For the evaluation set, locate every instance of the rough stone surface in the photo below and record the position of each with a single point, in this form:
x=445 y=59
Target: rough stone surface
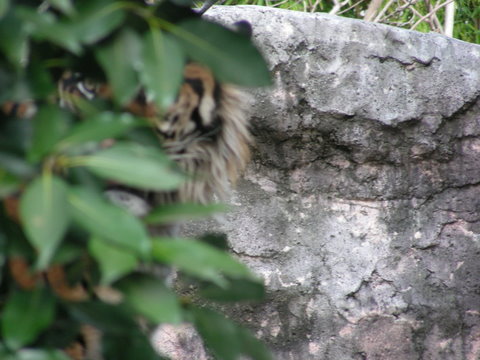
x=361 y=208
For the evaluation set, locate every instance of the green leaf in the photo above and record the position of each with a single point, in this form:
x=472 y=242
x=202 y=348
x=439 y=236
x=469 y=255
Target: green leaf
x=198 y=259
x=118 y=263
x=135 y=165
x=108 y=221
x=162 y=67
x=149 y=297
x=218 y=333
x=16 y=165
x=45 y=215
x=251 y=346
x=25 y=315
x=225 y=339
x=34 y=354
x=135 y=345
x=99 y=127
x=14 y=40
x=119 y=60
x=111 y=319
x=95 y=20
x=44 y=26
x=169 y=213
x=236 y=290
x=8 y=184
x=231 y=56
x=64 y=6
x=4 y=5
x=50 y=124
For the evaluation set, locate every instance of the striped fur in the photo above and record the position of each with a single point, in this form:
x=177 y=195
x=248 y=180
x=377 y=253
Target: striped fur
x=206 y=132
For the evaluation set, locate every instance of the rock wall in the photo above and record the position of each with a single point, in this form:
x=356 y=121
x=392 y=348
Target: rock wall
x=361 y=208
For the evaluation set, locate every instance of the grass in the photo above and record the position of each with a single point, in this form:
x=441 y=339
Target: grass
x=420 y=15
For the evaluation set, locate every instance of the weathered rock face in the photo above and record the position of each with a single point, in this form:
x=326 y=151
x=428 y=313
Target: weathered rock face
x=361 y=209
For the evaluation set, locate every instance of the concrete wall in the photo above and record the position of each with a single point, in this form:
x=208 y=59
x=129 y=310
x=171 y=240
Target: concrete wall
x=361 y=208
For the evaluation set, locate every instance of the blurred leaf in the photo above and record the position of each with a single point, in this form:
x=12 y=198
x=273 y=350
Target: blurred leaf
x=16 y=165
x=162 y=67
x=44 y=26
x=236 y=290
x=169 y=213
x=16 y=136
x=217 y=240
x=4 y=5
x=225 y=339
x=45 y=215
x=183 y=3
x=64 y=6
x=116 y=264
x=149 y=297
x=99 y=127
x=50 y=124
x=199 y=260
x=231 y=56
x=14 y=40
x=67 y=252
x=108 y=221
x=135 y=345
x=119 y=60
x=8 y=184
x=95 y=19
x=218 y=333
x=25 y=315
x=135 y=165
x=251 y=346
x=109 y=318
x=40 y=81
x=34 y=354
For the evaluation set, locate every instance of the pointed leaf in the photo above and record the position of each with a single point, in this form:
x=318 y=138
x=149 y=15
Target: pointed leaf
x=162 y=70
x=236 y=290
x=118 y=263
x=14 y=40
x=4 y=4
x=44 y=26
x=16 y=165
x=151 y=298
x=218 y=333
x=33 y=354
x=108 y=221
x=135 y=165
x=198 y=259
x=169 y=213
x=231 y=56
x=226 y=339
x=101 y=126
x=8 y=184
x=94 y=20
x=50 y=124
x=25 y=315
x=45 y=215
x=251 y=346
x=64 y=6
x=119 y=60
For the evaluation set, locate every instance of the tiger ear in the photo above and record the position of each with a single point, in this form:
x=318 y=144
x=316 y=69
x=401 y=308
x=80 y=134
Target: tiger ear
x=243 y=27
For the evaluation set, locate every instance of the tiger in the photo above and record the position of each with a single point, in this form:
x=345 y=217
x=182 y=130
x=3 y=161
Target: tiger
x=205 y=132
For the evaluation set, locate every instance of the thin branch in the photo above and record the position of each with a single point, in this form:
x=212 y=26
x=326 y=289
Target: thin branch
x=430 y=13
x=338 y=5
x=383 y=11
x=351 y=7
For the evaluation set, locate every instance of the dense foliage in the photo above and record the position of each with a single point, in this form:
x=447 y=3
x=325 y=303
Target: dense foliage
x=421 y=15
x=62 y=245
